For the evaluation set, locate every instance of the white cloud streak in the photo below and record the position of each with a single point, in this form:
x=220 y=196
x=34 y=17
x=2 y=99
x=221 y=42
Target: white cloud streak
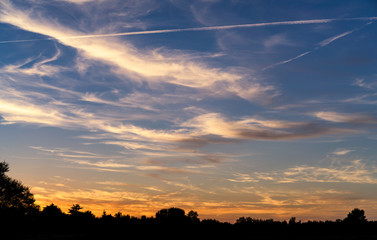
x=356 y=171
x=210 y=28
x=342 y=152
x=214 y=124
x=323 y=43
x=287 y=61
x=346 y=117
x=40 y=68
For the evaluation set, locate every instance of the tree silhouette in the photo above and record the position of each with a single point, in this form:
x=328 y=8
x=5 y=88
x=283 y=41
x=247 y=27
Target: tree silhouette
x=78 y=217
x=356 y=216
x=292 y=221
x=52 y=211
x=171 y=215
x=75 y=209
x=193 y=216
x=14 y=196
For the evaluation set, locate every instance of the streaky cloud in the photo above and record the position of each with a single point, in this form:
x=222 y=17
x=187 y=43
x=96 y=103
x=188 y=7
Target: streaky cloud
x=357 y=118
x=356 y=171
x=332 y=39
x=342 y=152
x=125 y=60
x=210 y=28
x=321 y=44
x=287 y=61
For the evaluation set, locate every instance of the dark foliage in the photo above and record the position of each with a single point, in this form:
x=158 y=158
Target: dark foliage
x=173 y=222
x=13 y=195
x=18 y=210
x=356 y=216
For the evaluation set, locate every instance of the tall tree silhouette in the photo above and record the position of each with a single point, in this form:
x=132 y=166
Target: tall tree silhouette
x=75 y=209
x=14 y=195
x=77 y=215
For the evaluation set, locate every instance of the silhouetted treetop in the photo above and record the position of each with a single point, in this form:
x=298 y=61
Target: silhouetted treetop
x=52 y=211
x=356 y=216
x=13 y=194
x=4 y=167
x=193 y=216
x=75 y=209
x=171 y=215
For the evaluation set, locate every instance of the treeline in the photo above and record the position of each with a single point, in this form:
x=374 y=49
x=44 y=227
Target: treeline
x=21 y=218
x=52 y=223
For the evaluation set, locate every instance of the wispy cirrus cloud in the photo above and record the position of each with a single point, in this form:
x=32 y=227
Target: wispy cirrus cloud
x=118 y=162
x=360 y=82
x=161 y=67
x=342 y=152
x=346 y=117
x=39 y=67
x=123 y=57
x=210 y=28
x=277 y=40
x=253 y=129
x=356 y=171
x=80 y=1
x=116 y=129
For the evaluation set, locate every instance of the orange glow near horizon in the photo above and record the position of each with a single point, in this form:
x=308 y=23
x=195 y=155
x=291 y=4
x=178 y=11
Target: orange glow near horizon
x=218 y=211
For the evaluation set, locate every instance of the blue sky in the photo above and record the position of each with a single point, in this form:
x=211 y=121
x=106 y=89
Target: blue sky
x=230 y=108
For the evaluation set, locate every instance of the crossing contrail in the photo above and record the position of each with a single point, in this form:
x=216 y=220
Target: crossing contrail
x=319 y=45
x=210 y=28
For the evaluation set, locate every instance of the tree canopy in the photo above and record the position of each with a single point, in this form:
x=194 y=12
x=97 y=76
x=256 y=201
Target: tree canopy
x=356 y=216
x=13 y=194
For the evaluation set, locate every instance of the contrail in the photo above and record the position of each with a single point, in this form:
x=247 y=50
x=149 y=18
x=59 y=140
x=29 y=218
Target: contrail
x=211 y=28
x=319 y=45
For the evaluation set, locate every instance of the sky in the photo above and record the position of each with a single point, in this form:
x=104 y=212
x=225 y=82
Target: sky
x=260 y=108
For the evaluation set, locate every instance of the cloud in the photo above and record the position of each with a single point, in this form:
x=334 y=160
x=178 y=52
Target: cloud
x=256 y=129
x=361 y=83
x=357 y=171
x=369 y=99
x=111 y=126
x=320 y=45
x=118 y=163
x=80 y=1
x=242 y=178
x=40 y=68
x=153 y=67
x=26 y=107
x=161 y=68
x=211 y=28
x=287 y=61
x=145 y=200
x=113 y=183
x=346 y=117
x=114 y=120
x=277 y=40
x=332 y=39
x=112 y=166
x=188 y=186
x=157 y=67
x=342 y=152
x=25 y=112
